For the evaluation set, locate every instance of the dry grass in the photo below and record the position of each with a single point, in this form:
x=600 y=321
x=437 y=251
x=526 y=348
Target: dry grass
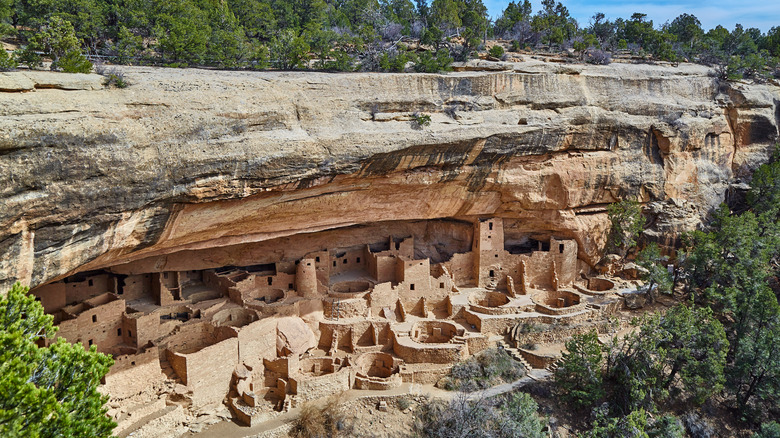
x=326 y=421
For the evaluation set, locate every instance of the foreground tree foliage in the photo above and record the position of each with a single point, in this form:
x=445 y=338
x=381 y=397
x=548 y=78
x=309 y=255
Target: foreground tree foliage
x=46 y=391
x=579 y=373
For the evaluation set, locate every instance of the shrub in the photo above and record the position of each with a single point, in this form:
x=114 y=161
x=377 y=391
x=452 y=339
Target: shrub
x=29 y=57
x=491 y=367
x=7 y=62
x=394 y=61
x=496 y=51
x=420 y=120
x=319 y=422
x=515 y=47
x=598 y=57
x=768 y=430
x=514 y=415
x=72 y=62
x=428 y=63
x=113 y=77
x=697 y=426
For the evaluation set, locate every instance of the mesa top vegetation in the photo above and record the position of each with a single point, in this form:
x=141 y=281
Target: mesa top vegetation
x=348 y=35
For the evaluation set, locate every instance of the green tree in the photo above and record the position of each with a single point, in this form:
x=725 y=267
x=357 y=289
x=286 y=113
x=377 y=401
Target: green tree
x=182 y=32
x=46 y=391
x=768 y=430
x=687 y=29
x=7 y=62
x=636 y=424
x=692 y=347
x=656 y=275
x=57 y=40
x=513 y=14
x=289 y=51
x=627 y=222
x=579 y=371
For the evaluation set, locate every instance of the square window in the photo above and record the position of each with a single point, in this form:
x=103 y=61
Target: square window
x=441 y=285
x=290 y=286
x=411 y=287
x=345 y=261
x=492 y=273
x=90 y=282
x=357 y=260
x=317 y=259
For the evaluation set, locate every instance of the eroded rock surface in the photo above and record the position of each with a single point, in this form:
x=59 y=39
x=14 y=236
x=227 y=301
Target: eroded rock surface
x=195 y=163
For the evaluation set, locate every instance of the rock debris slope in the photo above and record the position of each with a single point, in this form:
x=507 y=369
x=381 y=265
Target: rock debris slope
x=197 y=160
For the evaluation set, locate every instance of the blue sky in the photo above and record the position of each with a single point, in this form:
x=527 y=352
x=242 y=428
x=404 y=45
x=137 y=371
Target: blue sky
x=763 y=14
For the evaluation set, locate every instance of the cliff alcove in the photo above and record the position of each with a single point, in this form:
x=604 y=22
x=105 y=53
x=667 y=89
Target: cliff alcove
x=258 y=240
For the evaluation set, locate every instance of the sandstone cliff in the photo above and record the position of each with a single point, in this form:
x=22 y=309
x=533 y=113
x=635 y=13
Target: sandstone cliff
x=203 y=162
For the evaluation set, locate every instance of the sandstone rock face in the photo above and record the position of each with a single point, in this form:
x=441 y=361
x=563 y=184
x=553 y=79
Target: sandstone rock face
x=204 y=163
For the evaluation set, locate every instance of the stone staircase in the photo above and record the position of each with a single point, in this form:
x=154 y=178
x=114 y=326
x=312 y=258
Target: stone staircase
x=514 y=353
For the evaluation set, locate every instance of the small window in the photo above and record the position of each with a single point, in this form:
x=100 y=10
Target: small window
x=90 y=282
x=496 y=255
x=270 y=280
x=345 y=261
x=560 y=248
x=297 y=262
x=119 y=332
x=317 y=259
x=357 y=260
x=94 y=318
x=490 y=237
x=130 y=333
x=398 y=245
x=90 y=342
x=334 y=263
x=132 y=363
x=308 y=264
x=289 y=286
x=165 y=275
x=411 y=287
x=492 y=273
x=490 y=226
x=441 y=285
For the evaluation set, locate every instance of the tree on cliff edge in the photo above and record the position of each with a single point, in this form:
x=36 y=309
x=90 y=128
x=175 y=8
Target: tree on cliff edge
x=47 y=391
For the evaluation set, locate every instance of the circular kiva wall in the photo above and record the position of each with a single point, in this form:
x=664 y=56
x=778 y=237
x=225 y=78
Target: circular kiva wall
x=237 y=317
x=376 y=365
x=556 y=302
x=433 y=332
x=350 y=288
x=488 y=299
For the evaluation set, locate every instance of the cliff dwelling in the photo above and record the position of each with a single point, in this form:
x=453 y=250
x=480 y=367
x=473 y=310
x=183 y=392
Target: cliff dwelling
x=272 y=335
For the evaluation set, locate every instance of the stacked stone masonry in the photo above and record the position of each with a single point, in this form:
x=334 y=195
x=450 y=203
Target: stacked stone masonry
x=266 y=337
